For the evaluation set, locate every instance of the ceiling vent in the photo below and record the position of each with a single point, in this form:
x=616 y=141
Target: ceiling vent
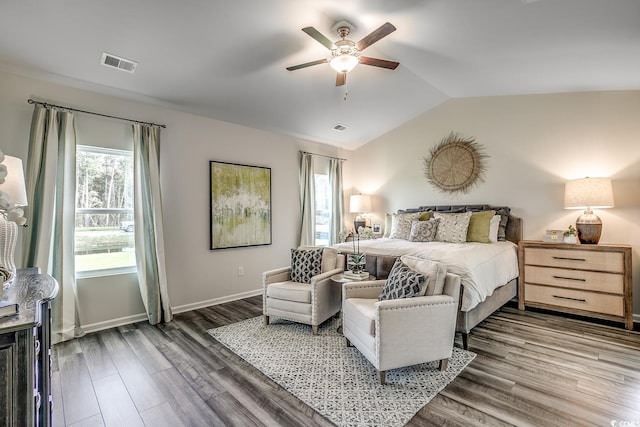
x=123 y=64
x=339 y=127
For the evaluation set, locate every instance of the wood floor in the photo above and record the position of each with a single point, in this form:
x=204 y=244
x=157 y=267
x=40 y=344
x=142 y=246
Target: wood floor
x=532 y=369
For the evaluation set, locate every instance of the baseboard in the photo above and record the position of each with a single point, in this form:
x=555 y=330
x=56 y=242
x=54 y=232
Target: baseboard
x=215 y=301
x=114 y=323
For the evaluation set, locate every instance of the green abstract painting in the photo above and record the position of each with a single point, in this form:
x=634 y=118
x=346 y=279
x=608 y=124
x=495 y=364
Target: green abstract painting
x=240 y=205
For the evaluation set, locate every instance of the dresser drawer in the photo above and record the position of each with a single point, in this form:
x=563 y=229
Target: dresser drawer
x=575 y=299
x=575 y=279
x=575 y=258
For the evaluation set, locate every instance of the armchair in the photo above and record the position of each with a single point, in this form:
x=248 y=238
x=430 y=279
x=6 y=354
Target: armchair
x=400 y=332
x=309 y=303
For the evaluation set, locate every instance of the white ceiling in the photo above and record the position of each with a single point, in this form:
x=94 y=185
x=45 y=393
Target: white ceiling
x=226 y=59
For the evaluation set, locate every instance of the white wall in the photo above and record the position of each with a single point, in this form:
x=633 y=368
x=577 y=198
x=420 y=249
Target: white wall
x=196 y=275
x=535 y=143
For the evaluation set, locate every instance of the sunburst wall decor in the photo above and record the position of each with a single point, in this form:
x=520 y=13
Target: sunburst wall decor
x=456 y=164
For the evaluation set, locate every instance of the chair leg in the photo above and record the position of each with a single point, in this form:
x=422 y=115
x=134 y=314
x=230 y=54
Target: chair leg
x=266 y=320
x=348 y=343
x=382 y=377
x=443 y=364
x=314 y=328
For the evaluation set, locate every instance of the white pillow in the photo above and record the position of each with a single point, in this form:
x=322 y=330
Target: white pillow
x=401 y=225
x=494 y=225
x=452 y=227
x=435 y=272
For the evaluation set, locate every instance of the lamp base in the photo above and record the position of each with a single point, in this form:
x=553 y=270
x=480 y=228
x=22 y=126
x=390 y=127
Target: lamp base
x=589 y=228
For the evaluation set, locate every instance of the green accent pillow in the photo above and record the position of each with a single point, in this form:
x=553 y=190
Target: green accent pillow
x=425 y=216
x=478 y=230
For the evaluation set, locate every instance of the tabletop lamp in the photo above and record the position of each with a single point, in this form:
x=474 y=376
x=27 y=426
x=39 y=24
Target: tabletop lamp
x=15 y=189
x=359 y=204
x=588 y=193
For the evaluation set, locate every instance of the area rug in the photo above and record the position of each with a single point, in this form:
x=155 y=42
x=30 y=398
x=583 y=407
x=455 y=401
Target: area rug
x=336 y=380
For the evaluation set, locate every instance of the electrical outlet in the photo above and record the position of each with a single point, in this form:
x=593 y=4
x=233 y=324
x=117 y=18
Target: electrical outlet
x=240 y=271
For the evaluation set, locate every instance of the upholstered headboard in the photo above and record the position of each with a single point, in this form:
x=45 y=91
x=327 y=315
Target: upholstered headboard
x=513 y=230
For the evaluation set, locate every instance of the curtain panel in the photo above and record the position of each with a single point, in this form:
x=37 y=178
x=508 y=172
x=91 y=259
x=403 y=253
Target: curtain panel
x=307 y=201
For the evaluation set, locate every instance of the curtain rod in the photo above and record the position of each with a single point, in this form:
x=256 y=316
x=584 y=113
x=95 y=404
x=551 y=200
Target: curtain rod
x=46 y=104
x=322 y=155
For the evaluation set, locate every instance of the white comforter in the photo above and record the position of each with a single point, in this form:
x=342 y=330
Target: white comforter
x=483 y=267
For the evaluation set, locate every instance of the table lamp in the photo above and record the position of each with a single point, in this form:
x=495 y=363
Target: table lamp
x=16 y=192
x=587 y=193
x=359 y=204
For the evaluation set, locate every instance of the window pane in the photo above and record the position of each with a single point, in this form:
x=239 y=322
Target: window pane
x=104 y=237
x=323 y=209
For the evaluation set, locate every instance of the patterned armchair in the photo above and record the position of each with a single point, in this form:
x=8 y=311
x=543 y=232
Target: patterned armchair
x=304 y=291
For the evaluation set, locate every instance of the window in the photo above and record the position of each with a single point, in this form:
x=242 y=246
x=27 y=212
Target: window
x=323 y=208
x=104 y=238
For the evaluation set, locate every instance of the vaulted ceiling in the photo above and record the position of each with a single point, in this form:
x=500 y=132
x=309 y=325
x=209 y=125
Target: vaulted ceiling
x=227 y=59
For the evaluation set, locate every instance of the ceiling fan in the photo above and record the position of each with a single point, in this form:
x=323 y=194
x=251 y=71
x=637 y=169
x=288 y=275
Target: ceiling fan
x=345 y=54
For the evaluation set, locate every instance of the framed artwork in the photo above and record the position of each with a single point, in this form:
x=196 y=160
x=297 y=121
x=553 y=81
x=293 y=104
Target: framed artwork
x=377 y=228
x=240 y=204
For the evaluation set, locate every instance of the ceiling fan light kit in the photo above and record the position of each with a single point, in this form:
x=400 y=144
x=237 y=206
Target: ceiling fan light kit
x=345 y=53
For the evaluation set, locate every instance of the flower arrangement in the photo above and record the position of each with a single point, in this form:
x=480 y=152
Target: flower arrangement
x=7 y=209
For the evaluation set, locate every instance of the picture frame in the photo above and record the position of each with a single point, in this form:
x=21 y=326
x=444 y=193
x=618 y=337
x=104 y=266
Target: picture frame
x=377 y=228
x=239 y=204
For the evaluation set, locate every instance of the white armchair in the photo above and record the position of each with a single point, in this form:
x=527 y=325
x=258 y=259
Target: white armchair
x=309 y=303
x=400 y=332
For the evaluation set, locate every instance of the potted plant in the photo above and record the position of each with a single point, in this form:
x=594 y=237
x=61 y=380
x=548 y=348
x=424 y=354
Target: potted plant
x=570 y=235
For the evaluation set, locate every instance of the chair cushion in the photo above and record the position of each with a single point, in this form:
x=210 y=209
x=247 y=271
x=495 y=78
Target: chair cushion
x=329 y=259
x=290 y=291
x=434 y=270
x=361 y=313
x=403 y=283
x=305 y=263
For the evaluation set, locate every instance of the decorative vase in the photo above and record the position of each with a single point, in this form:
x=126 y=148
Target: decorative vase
x=356 y=263
x=570 y=238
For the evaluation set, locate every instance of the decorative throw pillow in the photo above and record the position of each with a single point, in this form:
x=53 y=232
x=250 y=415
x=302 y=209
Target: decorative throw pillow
x=401 y=225
x=504 y=219
x=452 y=227
x=494 y=224
x=403 y=283
x=305 y=263
x=434 y=270
x=424 y=231
x=425 y=216
x=479 y=223
x=387 y=225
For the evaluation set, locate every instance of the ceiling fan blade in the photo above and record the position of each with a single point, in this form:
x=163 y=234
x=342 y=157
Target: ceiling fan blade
x=341 y=79
x=382 y=31
x=307 y=64
x=319 y=37
x=376 y=62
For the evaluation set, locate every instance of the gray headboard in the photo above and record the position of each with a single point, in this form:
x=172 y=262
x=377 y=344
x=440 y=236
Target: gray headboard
x=513 y=229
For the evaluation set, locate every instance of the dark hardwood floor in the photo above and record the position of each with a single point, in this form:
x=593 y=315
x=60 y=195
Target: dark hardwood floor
x=532 y=369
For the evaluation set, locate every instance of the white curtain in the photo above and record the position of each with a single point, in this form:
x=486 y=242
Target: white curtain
x=307 y=201
x=337 y=201
x=149 y=237
x=49 y=237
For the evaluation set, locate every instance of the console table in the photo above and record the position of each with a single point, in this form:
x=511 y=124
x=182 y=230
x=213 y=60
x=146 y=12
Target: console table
x=25 y=351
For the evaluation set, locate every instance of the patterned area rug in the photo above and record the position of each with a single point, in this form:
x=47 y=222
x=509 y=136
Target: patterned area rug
x=336 y=380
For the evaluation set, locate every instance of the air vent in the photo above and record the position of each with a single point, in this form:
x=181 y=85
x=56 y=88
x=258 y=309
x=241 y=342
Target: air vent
x=113 y=61
x=339 y=127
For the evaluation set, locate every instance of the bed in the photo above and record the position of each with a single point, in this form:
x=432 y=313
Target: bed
x=489 y=271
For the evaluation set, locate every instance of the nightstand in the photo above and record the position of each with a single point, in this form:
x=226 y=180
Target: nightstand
x=588 y=280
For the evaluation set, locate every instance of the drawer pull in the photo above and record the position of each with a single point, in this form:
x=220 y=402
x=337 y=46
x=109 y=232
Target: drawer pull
x=568 y=258
x=569 y=298
x=570 y=278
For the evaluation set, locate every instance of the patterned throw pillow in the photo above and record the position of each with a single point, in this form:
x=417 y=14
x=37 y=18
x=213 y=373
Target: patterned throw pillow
x=452 y=227
x=401 y=225
x=305 y=263
x=403 y=283
x=424 y=231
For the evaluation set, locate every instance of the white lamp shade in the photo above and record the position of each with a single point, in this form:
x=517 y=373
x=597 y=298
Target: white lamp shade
x=588 y=193
x=360 y=203
x=14 y=182
x=344 y=63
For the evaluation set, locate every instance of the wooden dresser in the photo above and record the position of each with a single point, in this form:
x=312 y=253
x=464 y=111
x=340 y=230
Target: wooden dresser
x=25 y=351
x=589 y=280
